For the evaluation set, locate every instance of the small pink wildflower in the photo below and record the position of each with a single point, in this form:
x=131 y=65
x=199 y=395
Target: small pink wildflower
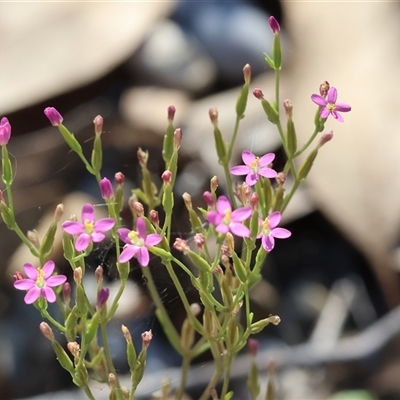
x=89 y=230
x=329 y=105
x=40 y=282
x=274 y=24
x=5 y=131
x=269 y=231
x=227 y=220
x=53 y=115
x=255 y=167
x=137 y=243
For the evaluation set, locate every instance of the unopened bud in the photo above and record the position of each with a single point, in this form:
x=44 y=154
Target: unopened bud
x=199 y=240
x=66 y=291
x=171 y=113
x=119 y=178
x=187 y=200
x=230 y=241
x=213 y=113
x=153 y=215
x=33 y=237
x=18 y=276
x=326 y=137
x=74 y=348
x=181 y=245
x=281 y=178
x=208 y=198
x=218 y=270
x=102 y=298
x=225 y=261
x=274 y=24
x=247 y=73
x=288 y=106
x=177 y=138
x=98 y=125
x=53 y=115
x=99 y=273
x=195 y=309
x=112 y=380
x=258 y=94
x=253 y=346
x=167 y=177
x=106 y=189
x=214 y=184
x=126 y=333
x=274 y=319
x=138 y=207
x=78 y=275
x=46 y=331
x=143 y=157
x=254 y=199
x=146 y=338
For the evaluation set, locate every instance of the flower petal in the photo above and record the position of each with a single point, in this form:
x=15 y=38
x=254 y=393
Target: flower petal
x=88 y=213
x=281 y=233
x=223 y=204
x=251 y=179
x=31 y=271
x=332 y=95
x=266 y=159
x=24 y=284
x=319 y=100
x=48 y=294
x=248 y=157
x=222 y=228
x=241 y=214
x=342 y=107
x=268 y=242
x=32 y=295
x=267 y=172
x=324 y=113
x=143 y=256
x=239 y=229
x=56 y=280
x=213 y=217
x=274 y=219
x=337 y=116
x=127 y=253
x=123 y=235
x=240 y=170
x=97 y=237
x=48 y=269
x=104 y=224
x=141 y=228
x=82 y=242
x=152 y=239
x=73 y=227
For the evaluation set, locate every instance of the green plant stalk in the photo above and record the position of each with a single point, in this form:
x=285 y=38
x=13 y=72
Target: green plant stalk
x=114 y=304
x=187 y=358
x=309 y=141
x=56 y=324
x=88 y=392
x=228 y=366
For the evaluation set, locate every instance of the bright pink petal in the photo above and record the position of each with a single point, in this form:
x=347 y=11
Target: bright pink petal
x=319 y=100
x=213 y=217
x=241 y=214
x=267 y=172
x=73 y=227
x=266 y=159
x=32 y=295
x=24 y=284
x=343 y=107
x=240 y=170
x=104 y=224
x=56 y=280
x=88 y=213
x=280 y=233
x=143 y=257
x=248 y=157
x=239 y=229
x=152 y=239
x=324 y=113
x=274 y=219
x=48 y=294
x=222 y=228
x=127 y=253
x=48 y=269
x=251 y=179
x=141 y=228
x=31 y=271
x=97 y=237
x=332 y=95
x=337 y=116
x=123 y=235
x=223 y=204
x=82 y=242
x=268 y=242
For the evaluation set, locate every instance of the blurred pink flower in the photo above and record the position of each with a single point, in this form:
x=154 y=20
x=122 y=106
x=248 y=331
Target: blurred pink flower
x=89 y=230
x=5 y=131
x=40 y=282
x=329 y=105
x=255 y=167
x=227 y=220
x=269 y=231
x=53 y=115
x=137 y=243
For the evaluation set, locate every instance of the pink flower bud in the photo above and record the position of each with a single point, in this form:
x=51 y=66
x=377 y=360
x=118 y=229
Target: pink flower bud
x=254 y=199
x=181 y=245
x=98 y=125
x=199 y=240
x=281 y=178
x=247 y=73
x=213 y=113
x=253 y=346
x=46 y=331
x=54 y=116
x=146 y=338
x=99 y=275
x=66 y=291
x=274 y=24
x=5 y=131
x=258 y=93
x=177 y=138
x=74 y=348
x=153 y=215
x=208 y=198
x=106 y=189
x=119 y=178
x=326 y=137
x=18 y=276
x=288 y=106
x=102 y=298
x=167 y=177
x=138 y=208
x=171 y=113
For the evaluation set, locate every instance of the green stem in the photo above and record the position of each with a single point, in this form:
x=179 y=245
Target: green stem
x=46 y=315
x=88 y=392
x=309 y=141
x=114 y=304
x=184 y=372
x=228 y=367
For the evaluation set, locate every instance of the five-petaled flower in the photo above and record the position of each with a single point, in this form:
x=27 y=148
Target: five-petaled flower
x=40 y=282
x=227 y=220
x=89 y=230
x=329 y=105
x=137 y=243
x=255 y=167
x=269 y=231
x=5 y=131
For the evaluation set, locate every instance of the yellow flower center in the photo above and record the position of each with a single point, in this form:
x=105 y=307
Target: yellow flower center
x=254 y=165
x=135 y=239
x=265 y=227
x=227 y=218
x=88 y=226
x=331 y=107
x=40 y=282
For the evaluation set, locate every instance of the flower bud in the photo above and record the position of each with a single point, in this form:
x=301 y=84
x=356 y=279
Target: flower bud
x=177 y=138
x=281 y=178
x=98 y=125
x=187 y=200
x=181 y=245
x=324 y=88
x=138 y=207
x=99 y=275
x=78 y=275
x=171 y=113
x=326 y=137
x=274 y=25
x=195 y=309
x=112 y=380
x=143 y=157
x=253 y=346
x=58 y=213
x=102 y=298
x=288 y=106
x=153 y=216
x=199 y=240
x=18 y=276
x=213 y=113
x=247 y=73
x=167 y=177
x=230 y=241
x=5 y=131
x=66 y=291
x=119 y=178
x=258 y=94
x=126 y=333
x=34 y=238
x=214 y=184
x=208 y=198
x=54 y=116
x=106 y=189
x=46 y=331
x=254 y=199
x=74 y=348
x=146 y=338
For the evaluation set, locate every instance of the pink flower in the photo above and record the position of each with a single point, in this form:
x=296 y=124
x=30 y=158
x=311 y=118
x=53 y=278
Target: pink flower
x=329 y=105
x=227 y=220
x=40 y=282
x=137 y=243
x=54 y=116
x=89 y=230
x=255 y=167
x=274 y=24
x=269 y=231
x=5 y=131
x=106 y=189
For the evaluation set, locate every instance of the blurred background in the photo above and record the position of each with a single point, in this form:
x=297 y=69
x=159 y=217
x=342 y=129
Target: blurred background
x=334 y=283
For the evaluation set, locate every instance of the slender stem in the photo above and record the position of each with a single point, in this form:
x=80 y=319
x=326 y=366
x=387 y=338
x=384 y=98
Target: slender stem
x=228 y=367
x=187 y=358
x=114 y=304
x=46 y=315
x=309 y=141
x=88 y=392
